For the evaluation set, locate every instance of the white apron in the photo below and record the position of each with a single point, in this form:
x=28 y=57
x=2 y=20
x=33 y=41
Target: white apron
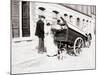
x=49 y=42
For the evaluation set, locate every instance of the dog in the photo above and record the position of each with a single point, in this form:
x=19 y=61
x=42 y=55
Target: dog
x=61 y=53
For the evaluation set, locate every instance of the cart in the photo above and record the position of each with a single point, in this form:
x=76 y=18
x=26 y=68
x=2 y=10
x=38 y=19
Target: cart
x=71 y=38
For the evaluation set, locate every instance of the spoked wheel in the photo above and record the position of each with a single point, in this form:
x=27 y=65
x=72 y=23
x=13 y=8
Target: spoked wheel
x=78 y=44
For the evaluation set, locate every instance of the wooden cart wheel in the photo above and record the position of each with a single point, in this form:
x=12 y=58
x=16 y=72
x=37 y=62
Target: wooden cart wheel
x=78 y=44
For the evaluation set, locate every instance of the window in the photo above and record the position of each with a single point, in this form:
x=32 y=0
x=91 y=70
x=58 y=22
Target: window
x=65 y=15
x=55 y=14
x=25 y=19
x=54 y=17
x=15 y=18
x=70 y=18
x=78 y=22
x=87 y=23
x=86 y=20
x=83 y=22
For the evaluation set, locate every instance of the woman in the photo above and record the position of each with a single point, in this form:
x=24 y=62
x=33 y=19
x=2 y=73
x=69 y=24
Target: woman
x=49 y=41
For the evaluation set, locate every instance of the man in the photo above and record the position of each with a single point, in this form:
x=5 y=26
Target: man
x=40 y=33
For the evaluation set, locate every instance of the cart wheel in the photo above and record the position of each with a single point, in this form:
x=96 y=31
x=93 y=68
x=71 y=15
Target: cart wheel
x=78 y=44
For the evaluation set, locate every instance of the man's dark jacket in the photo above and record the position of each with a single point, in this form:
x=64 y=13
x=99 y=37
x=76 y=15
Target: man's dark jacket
x=40 y=29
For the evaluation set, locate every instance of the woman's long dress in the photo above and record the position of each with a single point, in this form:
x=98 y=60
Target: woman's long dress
x=49 y=42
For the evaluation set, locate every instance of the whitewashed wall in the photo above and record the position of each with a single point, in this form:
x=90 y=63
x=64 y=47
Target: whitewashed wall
x=49 y=14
